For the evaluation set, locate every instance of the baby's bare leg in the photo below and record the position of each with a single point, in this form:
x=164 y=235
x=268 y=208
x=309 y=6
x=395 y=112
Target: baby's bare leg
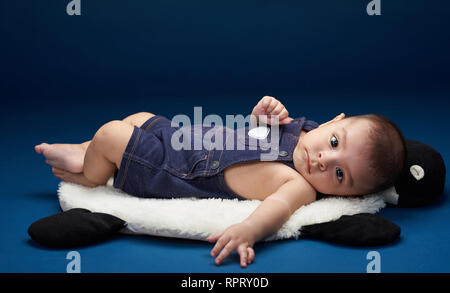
x=70 y=157
x=138 y=119
x=104 y=154
x=85 y=145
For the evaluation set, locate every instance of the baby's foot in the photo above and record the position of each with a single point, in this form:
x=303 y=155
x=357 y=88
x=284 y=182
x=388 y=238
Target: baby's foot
x=77 y=178
x=69 y=157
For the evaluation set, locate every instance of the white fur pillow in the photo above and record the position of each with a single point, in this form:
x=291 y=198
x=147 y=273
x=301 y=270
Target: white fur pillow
x=195 y=218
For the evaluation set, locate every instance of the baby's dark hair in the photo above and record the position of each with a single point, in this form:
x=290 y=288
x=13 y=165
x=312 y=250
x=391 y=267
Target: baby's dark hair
x=386 y=151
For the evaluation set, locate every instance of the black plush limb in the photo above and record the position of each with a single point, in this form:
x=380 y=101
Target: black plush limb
x=356 y=230
x=73 y=228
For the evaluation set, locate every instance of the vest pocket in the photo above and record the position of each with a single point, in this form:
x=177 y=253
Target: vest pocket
x=187 y=164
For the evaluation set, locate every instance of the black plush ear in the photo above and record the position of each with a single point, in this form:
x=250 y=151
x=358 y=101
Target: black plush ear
x=423 y=177
x=75 y=227
x=357 y=230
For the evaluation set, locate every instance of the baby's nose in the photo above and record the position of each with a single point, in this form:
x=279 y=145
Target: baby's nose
x=321 y=162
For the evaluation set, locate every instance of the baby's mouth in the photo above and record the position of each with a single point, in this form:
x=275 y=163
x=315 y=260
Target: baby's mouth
x=308 y=162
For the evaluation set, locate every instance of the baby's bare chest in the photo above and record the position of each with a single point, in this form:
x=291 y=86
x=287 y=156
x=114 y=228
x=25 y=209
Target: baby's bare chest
x=256 y=179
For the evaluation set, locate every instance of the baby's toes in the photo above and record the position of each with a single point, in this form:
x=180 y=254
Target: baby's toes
x=58 y=172
x=40 y=147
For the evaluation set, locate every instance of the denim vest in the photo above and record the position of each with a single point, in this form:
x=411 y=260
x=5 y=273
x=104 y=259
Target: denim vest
x=155 y=166
x=235 y=147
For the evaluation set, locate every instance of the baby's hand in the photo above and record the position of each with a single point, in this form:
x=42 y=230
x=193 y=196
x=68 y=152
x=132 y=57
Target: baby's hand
x=269 y=108
x=236 y=237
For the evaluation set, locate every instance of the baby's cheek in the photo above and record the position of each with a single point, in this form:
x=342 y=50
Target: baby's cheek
x=322 y=183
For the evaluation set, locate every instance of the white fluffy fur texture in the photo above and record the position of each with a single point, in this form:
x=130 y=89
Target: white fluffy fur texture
x=195 y=218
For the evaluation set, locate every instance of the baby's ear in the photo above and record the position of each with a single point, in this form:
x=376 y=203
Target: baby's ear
x=339 y=117
x=335 y=119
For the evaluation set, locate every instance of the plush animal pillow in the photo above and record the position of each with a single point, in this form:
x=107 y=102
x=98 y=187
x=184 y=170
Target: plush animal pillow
x=421 y=183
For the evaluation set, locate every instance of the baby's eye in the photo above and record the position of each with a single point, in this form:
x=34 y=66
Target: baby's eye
x=334 y=142
x=339 y=174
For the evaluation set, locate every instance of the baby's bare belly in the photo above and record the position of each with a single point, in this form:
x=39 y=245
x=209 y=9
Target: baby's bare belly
x=257 y=180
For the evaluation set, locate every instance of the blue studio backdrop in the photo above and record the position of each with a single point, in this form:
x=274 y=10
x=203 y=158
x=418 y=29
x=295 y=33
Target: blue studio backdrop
x=62 y=76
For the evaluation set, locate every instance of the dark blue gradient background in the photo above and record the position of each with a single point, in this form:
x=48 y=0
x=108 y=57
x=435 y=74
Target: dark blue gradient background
x=62 y=77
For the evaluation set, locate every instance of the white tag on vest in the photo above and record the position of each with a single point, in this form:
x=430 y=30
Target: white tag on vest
x=259 y=132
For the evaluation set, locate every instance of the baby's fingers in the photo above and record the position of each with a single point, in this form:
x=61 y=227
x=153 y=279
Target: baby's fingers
x=251 y=255
x=213 y=238
x=226 y=251
x=265 y=101
x=243 y=253
x=278 y=109
x=283 y=114
x=273 y=104
x=223 y=240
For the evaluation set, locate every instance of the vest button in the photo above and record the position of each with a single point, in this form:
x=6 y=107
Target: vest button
x=283 y=154
x=215 y=165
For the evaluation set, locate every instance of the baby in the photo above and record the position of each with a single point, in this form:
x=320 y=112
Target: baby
x=345 y=156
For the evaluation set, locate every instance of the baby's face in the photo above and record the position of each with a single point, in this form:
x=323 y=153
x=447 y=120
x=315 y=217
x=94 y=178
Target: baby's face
x=337 y=162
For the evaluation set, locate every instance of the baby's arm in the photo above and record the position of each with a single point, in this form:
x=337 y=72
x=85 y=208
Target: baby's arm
x=277 y=208
x=270 y=215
